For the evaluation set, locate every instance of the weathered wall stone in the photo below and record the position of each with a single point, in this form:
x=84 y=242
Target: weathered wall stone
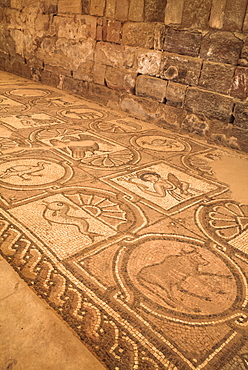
x=102 y=94
x=158 y=60
x=114 y=55
x=243 y=61
x=122 y=7
x=245 y=24
x=140 y=107
x=209 y=104
x=182 y=42
x=240 y=83
x=49 y=78
x=217 y=77
x=110 y=8
x=196 y=13
x=175 y=94
x=241 y=115
x=148 y=62
x=84 y=71
x=179 y=68
x=97 y=7
x=234 y=14
x=170 y=116
x=154 y=10
x=173 y=12
x=222 y=47
x=120 y=80
x=98 y=73
x=68 y=6
x=217 y=14
x=151 y=87
x=113 y=31
x=138 y=34
x=136 y=10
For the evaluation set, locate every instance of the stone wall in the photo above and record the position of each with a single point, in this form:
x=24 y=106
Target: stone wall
x=180 y=63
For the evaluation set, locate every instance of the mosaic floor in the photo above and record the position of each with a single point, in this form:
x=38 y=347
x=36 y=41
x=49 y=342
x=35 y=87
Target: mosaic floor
x=124 y=230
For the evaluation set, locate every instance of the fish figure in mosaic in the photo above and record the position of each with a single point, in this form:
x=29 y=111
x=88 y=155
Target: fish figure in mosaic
x=57 y=212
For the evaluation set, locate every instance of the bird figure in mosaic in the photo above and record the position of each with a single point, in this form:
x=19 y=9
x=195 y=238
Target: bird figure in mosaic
x=57 y=212
x=25 y=172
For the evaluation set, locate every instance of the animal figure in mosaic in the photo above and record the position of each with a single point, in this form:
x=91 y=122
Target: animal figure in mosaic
x=78 y=148
x=167 y=278
x=25 y=172
x=162 y=186
x=57 y=212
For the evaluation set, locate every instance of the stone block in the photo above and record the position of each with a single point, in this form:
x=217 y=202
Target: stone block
x=49 y=78
x=41 y=23
x=74 y=86
x=139 y=107
x=114 y=55
x=136 y=10
x=84 y=72
x=154 y=10
x=85 y=6
x=217 y=14
x=70 y=55
x=240 y=83
x=149 y=62
x=221 y=46
x=49 y=7
x=138 y=34
x=195 y=125
x=234 y=14
x=179 y=68
x=113 y=31
x=212 y=105
x=77 y=27
x=244 y=55
x=241 y=115
x=175 y=94
x=110 y=8
x=99 y=71
x=68 y=6
x=170 y=117
x=159 y=35
x=18 y=67
x=196 y=13
x=217 y=77
x=103 y=94
x=182 y=42
x=122 y=9
x=97 y=7
x=5 y=3
x=99 y=33
x=173 y=12
x=120 y=80
x=151 y=87
x=16 y=4
x=245 y=24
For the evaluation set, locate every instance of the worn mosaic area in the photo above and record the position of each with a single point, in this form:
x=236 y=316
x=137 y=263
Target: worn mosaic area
x=124 y=230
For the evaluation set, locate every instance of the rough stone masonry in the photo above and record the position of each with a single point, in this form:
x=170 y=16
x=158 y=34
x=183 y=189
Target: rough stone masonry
x=182 y=64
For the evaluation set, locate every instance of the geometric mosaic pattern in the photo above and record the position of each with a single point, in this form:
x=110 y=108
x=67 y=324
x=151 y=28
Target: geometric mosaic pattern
x=123 y=229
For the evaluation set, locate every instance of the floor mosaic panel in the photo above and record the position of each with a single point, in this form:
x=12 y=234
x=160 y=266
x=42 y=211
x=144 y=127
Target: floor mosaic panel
x=123 y=228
